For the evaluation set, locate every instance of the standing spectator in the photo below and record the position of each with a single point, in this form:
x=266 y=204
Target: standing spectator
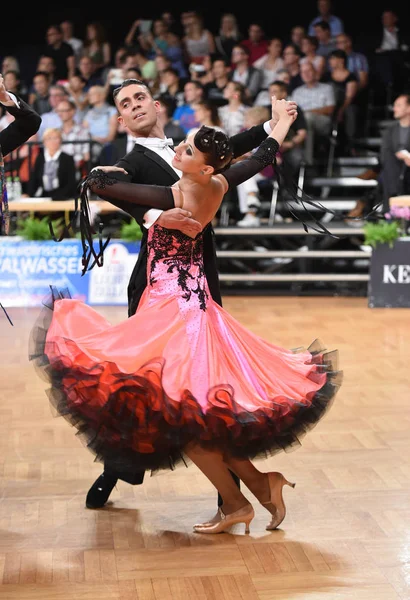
x=100 y=119
x=184 y=115
x=221 y=76
x=97 y=47
x=309 y=48
x=345 y=86
x=389 y=61
x=228 y=36
x=358 y=64
x=77 y=135
x=39 y=98
x=318 y=103
x=197 y=40
x=324 y=8
x=61 y=52
x=67 y=28
x=232 y=115
x=256 y=42
x=291 y=57
x=51 y=119
x=54 y=174
x=245 y=73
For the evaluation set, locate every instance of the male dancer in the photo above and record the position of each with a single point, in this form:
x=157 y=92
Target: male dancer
x=149 y=162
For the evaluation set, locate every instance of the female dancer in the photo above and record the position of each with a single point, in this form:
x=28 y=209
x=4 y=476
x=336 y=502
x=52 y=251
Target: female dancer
x=182 y=377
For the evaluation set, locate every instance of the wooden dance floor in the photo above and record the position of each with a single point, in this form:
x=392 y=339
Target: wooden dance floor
x=347 y=531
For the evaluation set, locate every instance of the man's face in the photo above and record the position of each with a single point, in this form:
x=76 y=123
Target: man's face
x=138 y=110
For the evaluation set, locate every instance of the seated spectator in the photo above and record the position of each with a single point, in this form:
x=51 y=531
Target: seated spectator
x=232 y=115
x=324 y=37
x=269 y=64
x=61 y=52
x=76 y=89
x=184 y=115
x=206 y=113
x=228 y=36
x=197 y=41
x=97 y=47
x=76 y=137
x=248 y=193
x=171 y=88
x=318 y=102
x=51 y=119
x=297 y=33
x=39 y=98
x=54 y=173
x=100 y=119
x=171 y=129
x=256 y=43
x=202 y=72
x=46 y=64
x=291 y=59
x=221 y=72
x=67 y=29
x=309 y=46
x=245 y=73
x=292 y=150
x=87 y=68
x=13 y=84
x=345 y=87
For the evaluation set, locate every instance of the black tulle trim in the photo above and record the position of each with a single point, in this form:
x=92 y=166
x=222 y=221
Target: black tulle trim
x=138 y=413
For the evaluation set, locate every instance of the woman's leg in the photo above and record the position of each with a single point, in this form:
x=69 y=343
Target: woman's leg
x=212 y=464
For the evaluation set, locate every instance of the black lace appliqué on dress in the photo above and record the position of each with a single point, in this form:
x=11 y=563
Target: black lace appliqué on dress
x=180 y=253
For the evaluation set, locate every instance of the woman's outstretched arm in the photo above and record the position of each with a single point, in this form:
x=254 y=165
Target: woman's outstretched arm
x=127 y=195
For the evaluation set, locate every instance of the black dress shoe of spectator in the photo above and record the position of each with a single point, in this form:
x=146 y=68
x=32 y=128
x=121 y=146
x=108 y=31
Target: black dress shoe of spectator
x=100 y=491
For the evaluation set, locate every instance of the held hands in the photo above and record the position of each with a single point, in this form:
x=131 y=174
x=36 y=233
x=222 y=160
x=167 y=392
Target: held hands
x=4 y=97
x=283 y=109
x=111 y=169
x=178 y=218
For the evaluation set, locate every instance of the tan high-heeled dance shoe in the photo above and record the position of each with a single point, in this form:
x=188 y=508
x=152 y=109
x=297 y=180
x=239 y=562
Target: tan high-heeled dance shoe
x=243 y=515
x=276 y=483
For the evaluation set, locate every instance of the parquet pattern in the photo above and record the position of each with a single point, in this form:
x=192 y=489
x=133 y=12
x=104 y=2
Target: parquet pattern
x=347 y=531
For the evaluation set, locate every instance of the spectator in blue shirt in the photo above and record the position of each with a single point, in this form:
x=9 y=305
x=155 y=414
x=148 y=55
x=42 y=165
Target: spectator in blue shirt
x=324 y=8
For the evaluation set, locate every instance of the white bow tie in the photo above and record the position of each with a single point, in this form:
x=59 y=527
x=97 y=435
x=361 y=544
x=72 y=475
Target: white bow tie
x=155 y=142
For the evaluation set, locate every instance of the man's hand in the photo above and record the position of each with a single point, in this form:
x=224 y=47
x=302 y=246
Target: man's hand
x=178 y=218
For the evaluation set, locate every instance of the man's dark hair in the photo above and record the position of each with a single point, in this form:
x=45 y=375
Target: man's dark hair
x=281 y=84
x=339 y=54
x=128 y=82
x=323 y=25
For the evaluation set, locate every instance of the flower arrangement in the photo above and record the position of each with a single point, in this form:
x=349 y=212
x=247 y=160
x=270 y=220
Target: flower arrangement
x=387 y=230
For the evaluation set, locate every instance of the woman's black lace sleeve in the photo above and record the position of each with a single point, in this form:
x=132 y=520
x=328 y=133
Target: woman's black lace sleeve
x=108 y=187
x=244 y=169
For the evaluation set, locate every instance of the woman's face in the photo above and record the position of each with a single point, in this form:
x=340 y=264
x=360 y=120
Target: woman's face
x=188 y=158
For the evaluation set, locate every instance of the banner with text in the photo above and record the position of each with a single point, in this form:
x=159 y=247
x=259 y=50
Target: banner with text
x=27 y=269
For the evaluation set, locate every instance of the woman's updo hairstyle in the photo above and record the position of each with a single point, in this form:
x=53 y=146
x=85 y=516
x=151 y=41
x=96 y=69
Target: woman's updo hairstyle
x=216 y=146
